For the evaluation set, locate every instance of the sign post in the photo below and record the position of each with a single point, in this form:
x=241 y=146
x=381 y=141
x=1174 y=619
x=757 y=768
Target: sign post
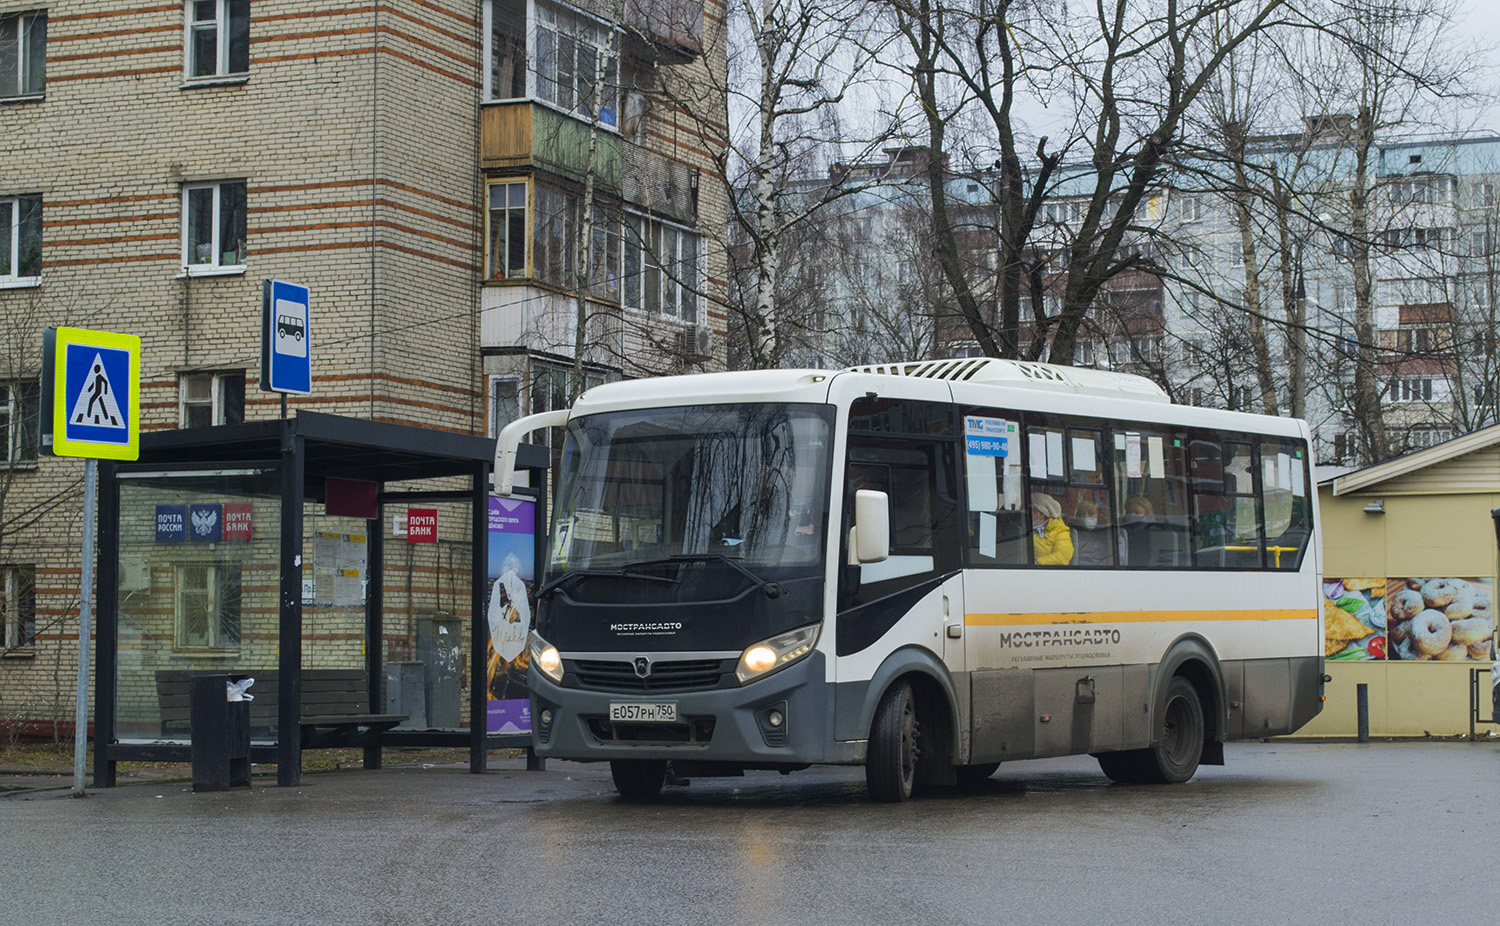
x=285 y=342
x=91 y=388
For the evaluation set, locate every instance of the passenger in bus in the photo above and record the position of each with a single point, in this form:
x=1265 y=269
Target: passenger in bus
x=1090 y=536
x=1050 y=537
x=1135 y=526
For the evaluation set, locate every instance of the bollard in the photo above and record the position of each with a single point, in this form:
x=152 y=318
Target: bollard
x=1362 y=703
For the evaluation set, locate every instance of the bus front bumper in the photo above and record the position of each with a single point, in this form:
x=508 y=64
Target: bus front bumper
x=729 y=725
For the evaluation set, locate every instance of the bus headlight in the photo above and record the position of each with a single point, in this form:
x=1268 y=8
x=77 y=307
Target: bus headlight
x=779 y=651
x=546 y=658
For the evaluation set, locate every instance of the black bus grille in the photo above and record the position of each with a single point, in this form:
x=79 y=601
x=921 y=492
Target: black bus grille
x=693 y=731
x=680 y=675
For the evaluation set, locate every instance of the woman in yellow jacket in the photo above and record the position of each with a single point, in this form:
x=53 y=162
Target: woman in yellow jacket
x=1049 y=535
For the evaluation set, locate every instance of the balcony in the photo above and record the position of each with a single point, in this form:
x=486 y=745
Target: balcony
x=521 y=135
x=675 y=27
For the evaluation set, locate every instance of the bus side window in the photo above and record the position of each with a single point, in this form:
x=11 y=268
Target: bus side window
x=1288 y=507
x=995 y=521
x=1151 y=498
x=917 y=477
x=1226 y=509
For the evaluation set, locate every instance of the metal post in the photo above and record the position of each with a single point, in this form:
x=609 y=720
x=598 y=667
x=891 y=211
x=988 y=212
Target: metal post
x=1362 y=702
x=85 y=621
x=479 y=626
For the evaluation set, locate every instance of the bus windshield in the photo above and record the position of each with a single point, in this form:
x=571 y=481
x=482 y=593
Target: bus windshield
x=743 y=482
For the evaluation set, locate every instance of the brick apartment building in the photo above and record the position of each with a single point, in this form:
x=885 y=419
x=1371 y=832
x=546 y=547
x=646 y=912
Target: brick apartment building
x=421 y=165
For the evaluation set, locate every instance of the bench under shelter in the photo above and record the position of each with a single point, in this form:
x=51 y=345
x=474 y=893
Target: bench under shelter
x=277 y=550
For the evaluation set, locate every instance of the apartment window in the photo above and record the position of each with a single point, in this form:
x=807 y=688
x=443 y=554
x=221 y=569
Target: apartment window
x=661 y=268
x=577 y=65
x=208 y=399
x=1237 y=253
x=1486 y=196
x=207 y=606
x=507 y=233
x=1062 y=212
x=506 y=70
x=555 y=243
x=17 y=607
x=20 y=240
x=1192 y=209
x=213 y=226
x=218 y=37
x=1423 y=190
x=23 y=54
x=1410 y=390
x=20 y=420
x=1418 y=340
x=505 y=403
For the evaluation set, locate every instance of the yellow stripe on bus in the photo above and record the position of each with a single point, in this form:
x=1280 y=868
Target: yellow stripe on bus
x=1137 y=617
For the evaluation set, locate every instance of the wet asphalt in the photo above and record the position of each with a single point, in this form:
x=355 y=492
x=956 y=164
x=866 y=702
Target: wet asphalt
x=1384 y=833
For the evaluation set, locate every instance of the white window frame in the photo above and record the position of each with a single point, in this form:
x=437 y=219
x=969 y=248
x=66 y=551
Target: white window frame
x=10 y=218
x=26 y=63
x=217 y=409
x=13 y=621
x=217 y=637
x=545 y=17
x=216 y=247
x=220 y=26
x=494 y=402
x=642 y=237
x=15 y=412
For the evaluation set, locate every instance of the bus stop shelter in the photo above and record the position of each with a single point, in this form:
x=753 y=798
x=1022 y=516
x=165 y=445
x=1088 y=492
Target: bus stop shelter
x=269 y=550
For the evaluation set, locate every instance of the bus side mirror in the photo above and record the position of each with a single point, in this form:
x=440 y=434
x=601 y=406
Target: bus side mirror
x=504 y=475
x=872 y=526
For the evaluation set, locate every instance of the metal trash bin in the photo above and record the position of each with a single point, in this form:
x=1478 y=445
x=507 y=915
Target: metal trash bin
x=220 y=730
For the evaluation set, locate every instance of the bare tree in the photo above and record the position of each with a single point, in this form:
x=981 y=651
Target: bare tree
x=1130 y=70
x=1387 y=64
x=794 y=67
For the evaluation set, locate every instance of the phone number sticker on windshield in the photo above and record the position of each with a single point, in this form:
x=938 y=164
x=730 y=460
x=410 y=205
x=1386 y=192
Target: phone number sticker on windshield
x=988 y=437
x=643 y=712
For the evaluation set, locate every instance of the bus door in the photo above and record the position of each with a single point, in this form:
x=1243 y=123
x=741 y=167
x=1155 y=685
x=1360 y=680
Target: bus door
x=908 y=450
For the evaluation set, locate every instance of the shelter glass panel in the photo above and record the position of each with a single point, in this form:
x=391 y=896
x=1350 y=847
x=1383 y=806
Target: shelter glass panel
x=198 y=594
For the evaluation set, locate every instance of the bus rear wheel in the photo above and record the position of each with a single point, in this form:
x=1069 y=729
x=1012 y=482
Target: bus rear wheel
x=891 y=765
x=638 y=779
x=1174 y=759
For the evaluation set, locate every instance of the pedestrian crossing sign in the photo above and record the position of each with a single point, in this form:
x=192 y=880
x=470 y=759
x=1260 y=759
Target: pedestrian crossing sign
x=94 y=387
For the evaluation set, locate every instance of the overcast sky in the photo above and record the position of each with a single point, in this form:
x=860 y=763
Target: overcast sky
x=1483 y=26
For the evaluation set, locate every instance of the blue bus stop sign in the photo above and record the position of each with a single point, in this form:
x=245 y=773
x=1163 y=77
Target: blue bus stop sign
x=286 y=335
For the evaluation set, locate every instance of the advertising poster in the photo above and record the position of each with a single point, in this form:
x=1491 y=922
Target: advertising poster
x=512 y=575
x=1354 y=619
x=1440 y=619
x=1415 y=619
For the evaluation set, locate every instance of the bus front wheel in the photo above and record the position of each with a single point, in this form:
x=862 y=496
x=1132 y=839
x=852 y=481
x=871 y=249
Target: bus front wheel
x=638 y=779
x=891 y=765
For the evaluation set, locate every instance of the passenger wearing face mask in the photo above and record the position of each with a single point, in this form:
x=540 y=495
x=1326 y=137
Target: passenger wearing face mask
x=1090 y=537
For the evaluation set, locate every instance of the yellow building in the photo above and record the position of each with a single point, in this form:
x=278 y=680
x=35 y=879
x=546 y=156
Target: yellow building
x=1396 y=531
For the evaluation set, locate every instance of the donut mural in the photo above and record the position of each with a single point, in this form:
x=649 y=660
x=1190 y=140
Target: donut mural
x=1409 y=619
x=1440 y=619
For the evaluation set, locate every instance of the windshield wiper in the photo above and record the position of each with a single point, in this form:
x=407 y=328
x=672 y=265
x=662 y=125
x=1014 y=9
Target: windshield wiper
x=771 y=589
x=556 y=583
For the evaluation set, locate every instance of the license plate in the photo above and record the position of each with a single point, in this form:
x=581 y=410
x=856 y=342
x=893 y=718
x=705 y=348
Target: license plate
x=643 y=712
